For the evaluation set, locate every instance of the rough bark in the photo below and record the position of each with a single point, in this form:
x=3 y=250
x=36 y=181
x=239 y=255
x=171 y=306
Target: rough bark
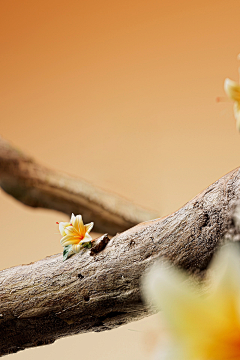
x=37 y=186
x=49 y=299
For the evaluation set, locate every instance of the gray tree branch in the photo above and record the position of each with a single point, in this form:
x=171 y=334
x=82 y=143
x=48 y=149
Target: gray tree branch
x=37 y=186
x=50 y=299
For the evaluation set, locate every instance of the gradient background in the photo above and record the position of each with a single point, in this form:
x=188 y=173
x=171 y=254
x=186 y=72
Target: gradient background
x=122 y=94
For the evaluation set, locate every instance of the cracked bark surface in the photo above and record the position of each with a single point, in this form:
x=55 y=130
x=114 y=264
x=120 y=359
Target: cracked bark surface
x=50 y=299
x=37 y=186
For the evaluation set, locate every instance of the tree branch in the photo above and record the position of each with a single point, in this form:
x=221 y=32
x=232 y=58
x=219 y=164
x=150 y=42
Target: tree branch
x=49 y=299
x=38 y=186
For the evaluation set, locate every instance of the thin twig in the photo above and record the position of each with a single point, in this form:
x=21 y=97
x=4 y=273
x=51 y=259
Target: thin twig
x=37 y=186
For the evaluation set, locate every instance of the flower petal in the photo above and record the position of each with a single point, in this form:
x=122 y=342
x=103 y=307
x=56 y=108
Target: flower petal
x=70 y=230
x=62 y=226
x=236 y=109
x=86 y=239
x=225 y=280
x=232 y=89
x=88 y=227
x=78 y=224
x=69 y=240
x=72 y=219
x=76 y=248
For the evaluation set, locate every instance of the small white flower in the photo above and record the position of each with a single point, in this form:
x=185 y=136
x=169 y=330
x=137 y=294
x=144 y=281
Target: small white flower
x=75 y=233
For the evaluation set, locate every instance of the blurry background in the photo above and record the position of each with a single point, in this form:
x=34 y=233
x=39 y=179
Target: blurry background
x=122 y=94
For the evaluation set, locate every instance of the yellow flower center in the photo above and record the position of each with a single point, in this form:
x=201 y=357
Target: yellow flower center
x=225 y=347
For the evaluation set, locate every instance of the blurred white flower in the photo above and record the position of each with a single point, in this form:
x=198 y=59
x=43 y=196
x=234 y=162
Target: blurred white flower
x=200 y=325
x=232 y=90
x=75 y=235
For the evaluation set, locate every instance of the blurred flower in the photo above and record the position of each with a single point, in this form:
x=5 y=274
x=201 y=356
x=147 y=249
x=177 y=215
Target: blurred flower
x=232 y=90
x=75 y=235
x=201 y=326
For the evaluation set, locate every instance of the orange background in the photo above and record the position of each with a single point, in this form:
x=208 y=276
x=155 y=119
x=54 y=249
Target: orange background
x=122 y=94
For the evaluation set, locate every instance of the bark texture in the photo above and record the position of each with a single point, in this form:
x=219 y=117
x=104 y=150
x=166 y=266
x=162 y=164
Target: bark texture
x=37 y=186
x=49 y=299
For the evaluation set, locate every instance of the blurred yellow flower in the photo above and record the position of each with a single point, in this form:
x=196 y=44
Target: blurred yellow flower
x=232 y=90
x=75 y=235
x=201 y=326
